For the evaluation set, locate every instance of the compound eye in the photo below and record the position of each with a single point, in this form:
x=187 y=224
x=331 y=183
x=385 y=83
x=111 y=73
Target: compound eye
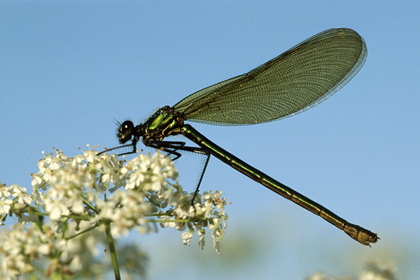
x=125 y=131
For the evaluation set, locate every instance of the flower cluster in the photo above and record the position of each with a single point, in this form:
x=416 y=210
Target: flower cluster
x=374 y=270
x=75 y=196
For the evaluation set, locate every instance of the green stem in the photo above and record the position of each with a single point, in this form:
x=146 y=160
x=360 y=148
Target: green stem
x=82 y=232
x=88 y=204
x=113 y=252
x=172 y=221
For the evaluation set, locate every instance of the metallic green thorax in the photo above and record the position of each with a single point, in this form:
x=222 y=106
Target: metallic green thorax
x=164 y=122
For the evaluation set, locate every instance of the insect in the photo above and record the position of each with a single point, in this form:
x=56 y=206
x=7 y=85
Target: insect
x=288 y=84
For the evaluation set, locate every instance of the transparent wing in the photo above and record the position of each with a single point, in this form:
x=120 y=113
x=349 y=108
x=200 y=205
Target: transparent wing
x=290 y=83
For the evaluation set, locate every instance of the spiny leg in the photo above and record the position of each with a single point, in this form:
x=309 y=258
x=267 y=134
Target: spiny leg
x=171 y=147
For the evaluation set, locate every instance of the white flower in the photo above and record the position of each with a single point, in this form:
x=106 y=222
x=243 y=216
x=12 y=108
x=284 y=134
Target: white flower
x=5 y=206
x=186 y=237
x=55 y=207
x=21 y=195
x=75 y=197
x=201 y=241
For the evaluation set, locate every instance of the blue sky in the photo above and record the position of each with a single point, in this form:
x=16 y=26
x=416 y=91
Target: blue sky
x=69 y=68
